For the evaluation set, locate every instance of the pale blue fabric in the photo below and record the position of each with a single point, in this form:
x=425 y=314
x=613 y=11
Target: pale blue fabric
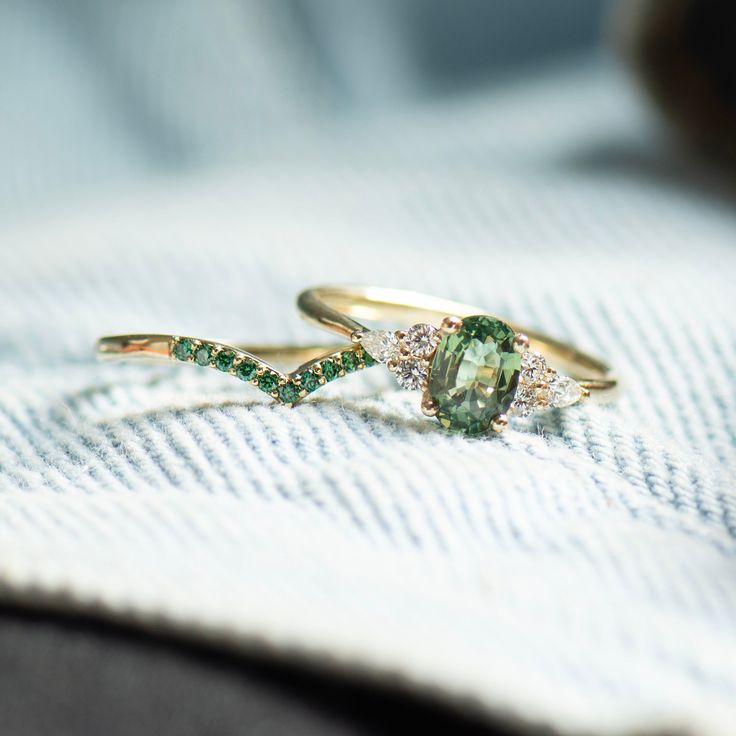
x=578 y=572
x=96 y=93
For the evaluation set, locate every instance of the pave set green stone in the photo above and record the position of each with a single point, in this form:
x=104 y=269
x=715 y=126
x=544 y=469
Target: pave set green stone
x=284 y=388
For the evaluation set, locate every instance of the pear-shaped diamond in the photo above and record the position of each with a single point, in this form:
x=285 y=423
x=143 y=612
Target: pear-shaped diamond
x=381 y=345
x=564 y=391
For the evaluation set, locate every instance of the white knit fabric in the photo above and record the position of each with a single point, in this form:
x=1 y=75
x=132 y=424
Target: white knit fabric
x=579 y=572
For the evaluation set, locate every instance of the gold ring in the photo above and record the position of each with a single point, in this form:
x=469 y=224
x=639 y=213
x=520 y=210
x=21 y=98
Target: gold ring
x=317 y=365
x=473 y=369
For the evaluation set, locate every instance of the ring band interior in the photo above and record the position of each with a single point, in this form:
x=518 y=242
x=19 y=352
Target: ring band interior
x=338 y=309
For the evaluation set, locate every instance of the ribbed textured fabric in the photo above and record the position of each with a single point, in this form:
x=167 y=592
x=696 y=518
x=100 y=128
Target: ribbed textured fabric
x=577 y=572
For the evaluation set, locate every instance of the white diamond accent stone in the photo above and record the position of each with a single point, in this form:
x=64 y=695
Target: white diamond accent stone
x=540 y=387
x=421 y=340
x=412 y=374
x=533 y=391
x=524 y=401
x=564 y=391
x=533 y=368
x=381 y=345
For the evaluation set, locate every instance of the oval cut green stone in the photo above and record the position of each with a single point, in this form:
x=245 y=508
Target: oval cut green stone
x=474 y=374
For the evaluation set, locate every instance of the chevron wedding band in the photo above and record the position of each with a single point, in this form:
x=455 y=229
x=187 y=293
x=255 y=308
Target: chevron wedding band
x=318 y=365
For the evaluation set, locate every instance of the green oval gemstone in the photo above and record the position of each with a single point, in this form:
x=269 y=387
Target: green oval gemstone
x=474 y=375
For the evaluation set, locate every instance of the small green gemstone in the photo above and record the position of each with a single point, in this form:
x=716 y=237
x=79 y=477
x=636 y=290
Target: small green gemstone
x=289 y=393
x=183 y=349
x=309 y=381
x=246 y=370
x=203 y=355
x=349 y=361
x=268 y=382
x=368 y=360
x=224 y=361
x=330 y=370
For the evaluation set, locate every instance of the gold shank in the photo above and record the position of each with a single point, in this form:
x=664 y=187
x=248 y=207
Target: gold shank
x=157 y=347
x=338 y=309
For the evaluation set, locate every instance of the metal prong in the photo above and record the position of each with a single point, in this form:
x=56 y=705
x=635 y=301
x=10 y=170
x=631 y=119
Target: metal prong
x=521 y=342
x=500 y=423
x=429 y=406
x=451 y=325
x=392 y=365
x=357 y=336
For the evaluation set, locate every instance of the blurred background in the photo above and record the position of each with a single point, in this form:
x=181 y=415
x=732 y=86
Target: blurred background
x=96 y=95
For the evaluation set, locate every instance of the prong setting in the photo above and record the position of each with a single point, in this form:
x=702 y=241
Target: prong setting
x=521 y=342
x=500 y=423
x=451 y=325
x=429 y=406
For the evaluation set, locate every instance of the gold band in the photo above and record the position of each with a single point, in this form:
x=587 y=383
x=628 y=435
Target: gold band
x=262 y=366
x=338 y=309
x=159 y=347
